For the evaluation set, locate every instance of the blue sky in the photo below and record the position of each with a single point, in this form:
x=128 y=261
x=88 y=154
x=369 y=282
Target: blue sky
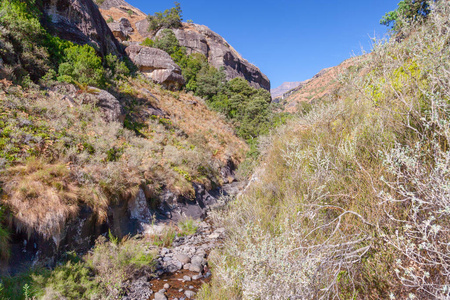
x=289 y=40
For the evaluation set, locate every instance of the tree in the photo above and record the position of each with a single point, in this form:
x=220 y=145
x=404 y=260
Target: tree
x=167 y=41
x=408 y=11
x=170 y=18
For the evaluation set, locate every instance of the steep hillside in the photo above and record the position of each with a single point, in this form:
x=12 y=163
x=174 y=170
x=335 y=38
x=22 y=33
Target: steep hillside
x=90 y=149
x=351 y=200
x=196 y=38
x=321 y=85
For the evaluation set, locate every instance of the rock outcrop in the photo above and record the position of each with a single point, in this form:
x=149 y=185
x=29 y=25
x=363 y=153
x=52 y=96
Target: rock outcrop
x=81 y=22
x=200 y=39
x=157 y=65
x=112 y=110
x=196 y=38
x=121 y=29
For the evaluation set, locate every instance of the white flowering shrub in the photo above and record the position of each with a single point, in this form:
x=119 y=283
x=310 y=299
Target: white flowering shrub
x=352 y=200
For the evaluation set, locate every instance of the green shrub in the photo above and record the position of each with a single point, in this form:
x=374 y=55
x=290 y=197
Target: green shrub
x=167 y=41
x=73 y=280
x=187 y=226
x=165 y=239
x=170 y=18
x=83 y=65
x=148 y=42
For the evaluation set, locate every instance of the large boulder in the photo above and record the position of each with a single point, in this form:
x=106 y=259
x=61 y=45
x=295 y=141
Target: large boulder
x=118 y=31
x=81 y=22
x=121 y=29
x=157 y=65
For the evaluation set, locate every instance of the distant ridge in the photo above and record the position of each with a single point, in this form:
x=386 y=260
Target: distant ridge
x=283 y=88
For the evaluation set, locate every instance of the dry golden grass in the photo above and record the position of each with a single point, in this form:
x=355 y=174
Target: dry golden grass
x=42 y=196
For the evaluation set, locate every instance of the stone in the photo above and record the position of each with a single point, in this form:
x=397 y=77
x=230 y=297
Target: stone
x=200 y=39
x=196 y=268
x=139 y=290
x=186 y=278
x=189 y=294
x=197 y=277
x=110 y=106
x=126 y=25
x=157 y=65
x=138 y=208
x=121 y=29
x=159 y=296
x=173 y=267
x=184 y=259
x=166 y=286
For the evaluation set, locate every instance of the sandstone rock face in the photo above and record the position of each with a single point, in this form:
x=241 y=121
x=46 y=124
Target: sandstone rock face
x=196 y=38
x=80 y=21
x=201 y=39
x=156 y=64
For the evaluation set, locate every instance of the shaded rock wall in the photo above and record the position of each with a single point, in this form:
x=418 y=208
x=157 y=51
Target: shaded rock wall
x=81 y=22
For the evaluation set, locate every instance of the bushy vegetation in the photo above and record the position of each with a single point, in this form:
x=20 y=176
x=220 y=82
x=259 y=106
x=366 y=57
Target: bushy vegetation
x=170 y=18
x=30 y=52
x=351 y=200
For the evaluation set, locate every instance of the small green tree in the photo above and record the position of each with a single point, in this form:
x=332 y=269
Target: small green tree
x=170 y=18
x=407 y=11
x=167 y=41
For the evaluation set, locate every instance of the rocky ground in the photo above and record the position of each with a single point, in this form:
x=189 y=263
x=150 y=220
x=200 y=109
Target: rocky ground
x=181 y=270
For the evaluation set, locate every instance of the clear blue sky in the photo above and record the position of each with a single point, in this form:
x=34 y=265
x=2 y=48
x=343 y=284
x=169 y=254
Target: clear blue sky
x=289 y=40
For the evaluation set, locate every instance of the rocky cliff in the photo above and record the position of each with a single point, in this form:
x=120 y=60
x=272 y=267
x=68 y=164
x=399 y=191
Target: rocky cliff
x=196 y=38
x=80 y=21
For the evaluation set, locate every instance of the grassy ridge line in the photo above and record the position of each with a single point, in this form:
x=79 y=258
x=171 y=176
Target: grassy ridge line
x=352 y=198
